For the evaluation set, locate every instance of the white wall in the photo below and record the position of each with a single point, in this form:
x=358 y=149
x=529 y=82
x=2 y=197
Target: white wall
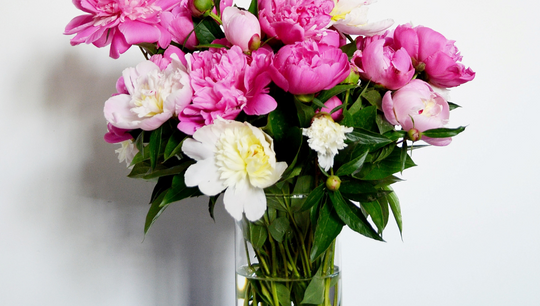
x=71 y=222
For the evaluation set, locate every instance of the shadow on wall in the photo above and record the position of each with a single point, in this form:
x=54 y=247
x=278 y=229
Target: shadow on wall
x=188 y=256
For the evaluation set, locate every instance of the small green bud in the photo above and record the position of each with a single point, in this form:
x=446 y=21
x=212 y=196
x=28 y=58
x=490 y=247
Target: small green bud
x=255 y=42
x=200 y=7
x=414 y=134
x=352 y=78
x=333 y=182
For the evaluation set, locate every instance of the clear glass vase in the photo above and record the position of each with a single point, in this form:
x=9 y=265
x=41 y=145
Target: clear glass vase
x=273 y=264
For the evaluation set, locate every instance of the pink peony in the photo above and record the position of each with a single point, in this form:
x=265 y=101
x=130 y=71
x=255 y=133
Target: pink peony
x=433 y=53
x=417 y=106
x=379 y=62
x=330 y=105
x=179 y=23
x=295 y=20
x=149 y=96
x=241 y=28
x=120 y=23
x=226 y=82
x=307 y=67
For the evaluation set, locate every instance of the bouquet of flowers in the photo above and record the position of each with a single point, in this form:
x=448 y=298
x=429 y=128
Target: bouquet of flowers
x=299 y=112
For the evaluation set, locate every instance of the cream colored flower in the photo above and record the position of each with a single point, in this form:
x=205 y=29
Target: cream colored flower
x=326 y=138
x=237 y=157
x=350 y=17
x=127 y=151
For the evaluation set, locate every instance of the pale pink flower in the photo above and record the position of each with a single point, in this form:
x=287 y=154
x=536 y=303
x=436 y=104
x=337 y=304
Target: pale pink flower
x=295 y=20
x=307 y=67
x=240 y=27
x=153 y=96
x=226 y=82
x=433 y=53
x=417 y=105
x=377 y=61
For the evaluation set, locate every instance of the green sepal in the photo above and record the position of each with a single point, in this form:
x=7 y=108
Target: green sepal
x=443 y=132
x=327 y=228
x=352 y=215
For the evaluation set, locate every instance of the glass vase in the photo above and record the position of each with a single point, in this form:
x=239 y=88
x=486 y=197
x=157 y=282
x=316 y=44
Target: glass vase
x=273 y=259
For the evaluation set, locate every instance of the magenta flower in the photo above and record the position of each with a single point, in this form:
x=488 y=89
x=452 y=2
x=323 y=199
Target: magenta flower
x=116 y=135
x=417 y=106
x=379 y=62
x=330 y=105
x=432 y=52
x=241 y=28
x=179 y=23
x=295 y=20
x=226 y=82
x=120 y=23
x=307 y=67
x=149 y=96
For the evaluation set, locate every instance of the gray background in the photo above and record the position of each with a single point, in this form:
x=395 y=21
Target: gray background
x=71 y=223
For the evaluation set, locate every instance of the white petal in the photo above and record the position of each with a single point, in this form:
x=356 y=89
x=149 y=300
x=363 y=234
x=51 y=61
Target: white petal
x=204 y=174
x=254 y=202
x=234 y=207
x=196 y=150
x=368 y=29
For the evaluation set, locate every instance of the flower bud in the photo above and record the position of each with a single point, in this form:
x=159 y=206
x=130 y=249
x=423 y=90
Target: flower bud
x=333 y=182
x=254 y=42
x=200 y=7
x=414 y=134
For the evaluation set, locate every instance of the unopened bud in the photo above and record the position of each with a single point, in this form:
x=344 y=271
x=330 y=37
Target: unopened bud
x=420 y=67
x=255 y=42
x=200 y=7
x=333 y=182
x=414 y=134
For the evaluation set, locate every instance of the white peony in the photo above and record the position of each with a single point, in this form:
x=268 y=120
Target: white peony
x=126 y=152
x=350 y=17
x=326 y=138
x=237 y=157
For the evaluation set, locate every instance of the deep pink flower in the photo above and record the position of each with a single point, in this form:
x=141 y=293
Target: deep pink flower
x=433 y=53
x=179 y=23
x=116 y=135
x=295 y=20
x=226 y=82
x=307 y=67
x=120 y=23
x=379 y=62
x=240 y=27
x=330 y=105
x=417 y=105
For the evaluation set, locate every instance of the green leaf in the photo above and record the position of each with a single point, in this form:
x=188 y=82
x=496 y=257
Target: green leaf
x=314 y=198
x=257 y=235
x=277 y=124
x=387 y=167
x=207 y=31
x=211 y=204
x=351 y=215
x=393 y=201
x=253 y=8
x=166 y=171
x=314 y=293
x=327 y=228
x=217 y=46
x=353 y=166
x=162 y=185
x=375 y=211
x=372 y=140
x=443 y=132
x=373 y=97
x=383 y=125
x=154 y=146
x=140 y=170
x=179 y=191
x=336 y=90
x=357 y=187
x=365 y=118
x=174 y=145
x=278 y=228
x=303 y=186
x=305 y=113
x=403 y=155
x=283 y=294
x=453 y=106
x=154 y=212
x=349 y=49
